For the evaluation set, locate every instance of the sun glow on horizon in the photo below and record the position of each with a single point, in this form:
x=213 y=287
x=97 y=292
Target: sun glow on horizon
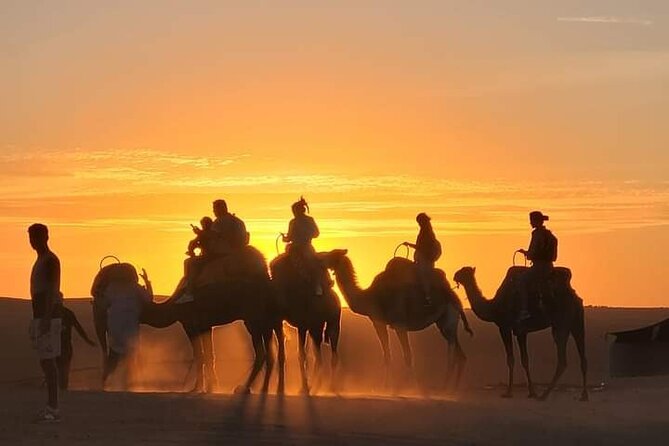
x=120 y=125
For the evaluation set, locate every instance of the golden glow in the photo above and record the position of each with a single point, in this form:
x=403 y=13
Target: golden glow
x=119 y=129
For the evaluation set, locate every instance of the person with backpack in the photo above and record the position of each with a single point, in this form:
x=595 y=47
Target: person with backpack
x=427 y=252
x=542 y=252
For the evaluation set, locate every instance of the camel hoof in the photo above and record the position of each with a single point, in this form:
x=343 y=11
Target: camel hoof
x=304 y=391
x=507 y=395
x=242 y=390
x=543 y=397
x=532 y=395
x=281 y=391
x=584 y=397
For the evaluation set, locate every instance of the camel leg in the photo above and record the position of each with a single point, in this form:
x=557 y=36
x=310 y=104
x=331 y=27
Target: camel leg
x=403 y=337
x=211 y=380
x=560 y=337
x=382 y=333
x=578 y=332
x=302 y=359
x=448 y=327
x=510 y=360
x=316 y=336
x=198 y=362
x=269 y=360
x=524 y=359
x=281 y=356
x=258 y=361
x=332 y=332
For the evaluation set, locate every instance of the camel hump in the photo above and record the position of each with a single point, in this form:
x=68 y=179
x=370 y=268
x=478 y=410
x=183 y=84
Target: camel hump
x=399 y=264
x=278 y=263
x=115 y=272
x=515 y=271
x=562 y=274
x=247 y=263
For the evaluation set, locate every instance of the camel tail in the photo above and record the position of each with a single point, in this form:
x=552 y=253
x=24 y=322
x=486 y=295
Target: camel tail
x=326 y=335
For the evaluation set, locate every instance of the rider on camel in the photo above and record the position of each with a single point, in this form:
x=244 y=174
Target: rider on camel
x=202 y=237
x=228 y=231
x=427 y=251
x=302 y=229
x=224 y=236
x=542 y=252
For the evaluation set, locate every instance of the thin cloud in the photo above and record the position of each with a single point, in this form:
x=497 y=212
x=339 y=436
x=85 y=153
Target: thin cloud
x=608 y=19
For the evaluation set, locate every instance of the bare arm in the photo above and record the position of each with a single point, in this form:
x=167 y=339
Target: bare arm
x=147 y=283
x=100 y=322
x=287 y=238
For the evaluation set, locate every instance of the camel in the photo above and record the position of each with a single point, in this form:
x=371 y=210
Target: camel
x=312 y=314
x=563 y=313
x=250 y=299
x=395 y=299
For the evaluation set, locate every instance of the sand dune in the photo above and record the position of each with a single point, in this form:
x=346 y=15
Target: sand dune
x=365 y=413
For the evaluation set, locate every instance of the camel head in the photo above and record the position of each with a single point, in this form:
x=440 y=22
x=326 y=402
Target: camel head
x=332 y=259
x=464 y=275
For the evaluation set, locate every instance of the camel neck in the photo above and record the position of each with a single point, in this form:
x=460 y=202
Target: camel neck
x=348 y=284
x=482 y=307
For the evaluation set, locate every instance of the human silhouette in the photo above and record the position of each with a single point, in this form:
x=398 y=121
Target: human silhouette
x=45 y=328
x=302 y=229
x=427 y=251
x=203 y=241
x=64 y=361
x=228 y=231
x=202 y=236
x=542 y=252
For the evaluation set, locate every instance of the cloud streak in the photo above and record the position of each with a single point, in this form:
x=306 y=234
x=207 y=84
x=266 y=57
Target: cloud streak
x=608 y=20
x=76 y=184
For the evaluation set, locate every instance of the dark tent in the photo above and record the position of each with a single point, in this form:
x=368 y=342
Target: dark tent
x=640 y=352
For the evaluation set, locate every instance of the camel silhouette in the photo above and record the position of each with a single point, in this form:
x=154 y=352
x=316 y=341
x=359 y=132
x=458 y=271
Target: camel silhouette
x=395 y=299
x=248 y=297
x=315 y=315
x=562 y=312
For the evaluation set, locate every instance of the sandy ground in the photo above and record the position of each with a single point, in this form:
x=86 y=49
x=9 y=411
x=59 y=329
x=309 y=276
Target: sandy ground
x=620 y=412
x=613 y=417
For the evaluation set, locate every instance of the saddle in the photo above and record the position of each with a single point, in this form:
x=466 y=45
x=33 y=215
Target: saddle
x=247 y=264
x=544 y=292
x=404 y=273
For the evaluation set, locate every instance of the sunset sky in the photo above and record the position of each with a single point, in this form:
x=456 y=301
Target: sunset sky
x=120 y=123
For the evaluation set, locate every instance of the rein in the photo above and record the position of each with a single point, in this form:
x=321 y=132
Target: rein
x=398 y=247
x=514 y=258
x=109 y=257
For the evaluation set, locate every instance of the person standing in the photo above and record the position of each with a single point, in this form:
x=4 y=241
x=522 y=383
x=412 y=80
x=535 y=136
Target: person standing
x=45 y=327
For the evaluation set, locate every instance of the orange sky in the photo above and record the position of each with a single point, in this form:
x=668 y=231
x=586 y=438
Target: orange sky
x=120 y=124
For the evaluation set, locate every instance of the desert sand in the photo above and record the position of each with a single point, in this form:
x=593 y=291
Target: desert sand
x=364 y=412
